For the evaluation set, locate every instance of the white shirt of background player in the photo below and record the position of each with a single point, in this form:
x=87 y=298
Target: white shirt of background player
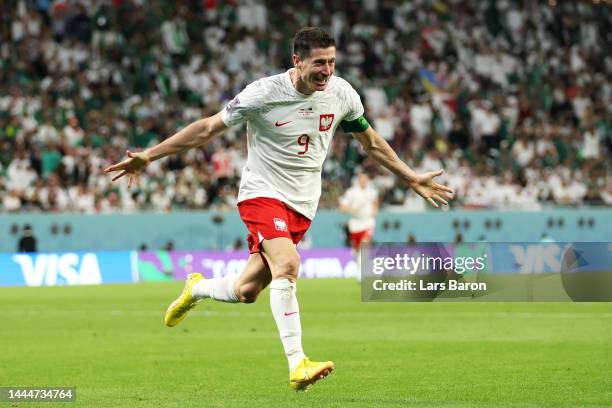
x=361 y=201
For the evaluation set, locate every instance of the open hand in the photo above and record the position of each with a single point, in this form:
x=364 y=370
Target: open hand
x=435 y=193
x=131 y=166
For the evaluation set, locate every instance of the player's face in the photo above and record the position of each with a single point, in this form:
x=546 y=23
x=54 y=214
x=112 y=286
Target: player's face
x=363 y=180
x=316 y=70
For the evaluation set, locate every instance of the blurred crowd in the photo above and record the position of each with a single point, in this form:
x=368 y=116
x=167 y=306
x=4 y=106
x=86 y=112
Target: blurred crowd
x=511 y=97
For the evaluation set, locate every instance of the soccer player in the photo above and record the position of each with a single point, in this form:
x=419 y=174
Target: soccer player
x=361 y=201
x=291 y=118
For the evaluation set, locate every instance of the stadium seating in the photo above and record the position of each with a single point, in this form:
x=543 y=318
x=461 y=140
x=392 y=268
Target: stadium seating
x=512 y=98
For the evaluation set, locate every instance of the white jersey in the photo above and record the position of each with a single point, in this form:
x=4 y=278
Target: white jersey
x=288 y=136
x=363 y=204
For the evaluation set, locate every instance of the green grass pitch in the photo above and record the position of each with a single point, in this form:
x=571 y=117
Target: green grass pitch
x=110 y=342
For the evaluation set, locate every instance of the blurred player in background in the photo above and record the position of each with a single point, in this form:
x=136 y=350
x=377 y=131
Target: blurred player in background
x=291 y=118
x=361 y=202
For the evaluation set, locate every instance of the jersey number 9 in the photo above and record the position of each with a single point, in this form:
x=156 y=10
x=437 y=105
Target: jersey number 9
x=303 y=141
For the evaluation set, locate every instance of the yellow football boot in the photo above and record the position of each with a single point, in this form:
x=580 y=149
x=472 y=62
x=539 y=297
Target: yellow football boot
x=178 y=309
x=309 y=372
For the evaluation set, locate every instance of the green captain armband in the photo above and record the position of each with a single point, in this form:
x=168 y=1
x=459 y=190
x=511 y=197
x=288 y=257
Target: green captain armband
x=358 y=125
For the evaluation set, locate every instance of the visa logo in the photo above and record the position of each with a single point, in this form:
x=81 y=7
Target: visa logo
x=59 y=269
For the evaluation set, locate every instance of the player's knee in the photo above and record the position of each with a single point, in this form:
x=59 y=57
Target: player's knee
x=286 y=267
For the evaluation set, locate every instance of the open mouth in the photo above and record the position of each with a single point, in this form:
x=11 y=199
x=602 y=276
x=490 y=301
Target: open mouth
x=322 y=81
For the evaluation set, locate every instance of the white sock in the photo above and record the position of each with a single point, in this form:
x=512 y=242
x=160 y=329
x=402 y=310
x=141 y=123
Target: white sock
x=221 y=289
x=286 y=311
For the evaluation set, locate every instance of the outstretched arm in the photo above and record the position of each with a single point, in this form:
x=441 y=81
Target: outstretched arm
x=195 y=134
x=424 y=184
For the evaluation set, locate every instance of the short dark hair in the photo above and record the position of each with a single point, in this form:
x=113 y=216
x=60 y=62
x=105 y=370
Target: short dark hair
x=308 y=38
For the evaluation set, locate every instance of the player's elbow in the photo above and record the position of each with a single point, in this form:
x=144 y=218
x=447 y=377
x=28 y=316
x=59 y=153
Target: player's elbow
x=205 y=131
x=372 y=147
x=370 y=144
x=209 y=128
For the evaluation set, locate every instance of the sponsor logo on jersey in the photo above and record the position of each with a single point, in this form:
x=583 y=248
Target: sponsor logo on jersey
x=280 y=224
x=279 y=124
x=325 y=122
x=306 y=112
